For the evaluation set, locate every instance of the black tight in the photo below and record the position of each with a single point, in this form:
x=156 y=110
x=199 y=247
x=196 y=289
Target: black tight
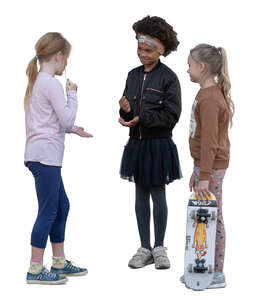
x=142 y=206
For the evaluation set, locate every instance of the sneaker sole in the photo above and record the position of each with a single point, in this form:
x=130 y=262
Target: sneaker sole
x=217 y=286
x=61 y=281
x=151 y=261
x=213 y=286
x=74 y=274
x=162 y=267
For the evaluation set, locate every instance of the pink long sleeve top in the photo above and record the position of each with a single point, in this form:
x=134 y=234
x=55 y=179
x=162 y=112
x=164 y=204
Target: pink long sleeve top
x=48 y=117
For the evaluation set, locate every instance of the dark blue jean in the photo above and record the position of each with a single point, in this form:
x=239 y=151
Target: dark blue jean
x=53 y=205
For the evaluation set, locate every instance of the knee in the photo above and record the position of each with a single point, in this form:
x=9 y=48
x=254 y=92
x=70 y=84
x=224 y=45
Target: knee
x=65 y=209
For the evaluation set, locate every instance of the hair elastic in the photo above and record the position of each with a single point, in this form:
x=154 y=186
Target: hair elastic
x=36 y=57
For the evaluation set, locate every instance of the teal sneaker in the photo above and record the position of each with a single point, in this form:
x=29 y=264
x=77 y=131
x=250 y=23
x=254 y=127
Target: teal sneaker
x=218 y=282
x=45 y=277
x=182 y=279
x=69 y=270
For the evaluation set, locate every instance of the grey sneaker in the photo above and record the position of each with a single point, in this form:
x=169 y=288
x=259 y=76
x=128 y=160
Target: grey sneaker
x=142 y=258
x=160 y=258
x=219 y=281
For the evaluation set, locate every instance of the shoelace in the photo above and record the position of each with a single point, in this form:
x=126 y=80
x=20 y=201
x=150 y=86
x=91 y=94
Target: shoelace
x=160 y=253
x=70 y=266
x=48 y=274
x=140 y=252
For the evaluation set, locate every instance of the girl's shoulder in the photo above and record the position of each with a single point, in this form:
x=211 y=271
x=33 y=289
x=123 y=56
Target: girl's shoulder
x=212 y=93
x=49 y=80
x=168 y=75
x=48 y=84
x=136 y=70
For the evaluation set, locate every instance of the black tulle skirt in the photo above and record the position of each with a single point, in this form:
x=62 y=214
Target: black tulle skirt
x=150 y=162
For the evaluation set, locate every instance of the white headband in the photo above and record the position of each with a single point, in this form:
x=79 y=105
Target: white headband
x=153 y=43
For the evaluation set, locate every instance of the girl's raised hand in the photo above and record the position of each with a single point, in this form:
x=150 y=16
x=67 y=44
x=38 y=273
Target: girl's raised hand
x=81 y=132
x=124 y=104
x=202 y=191
x=70 y=86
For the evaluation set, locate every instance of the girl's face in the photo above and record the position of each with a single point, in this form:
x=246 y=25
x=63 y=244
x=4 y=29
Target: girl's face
x=147 y=55
x=195 y=69
x=61 y=63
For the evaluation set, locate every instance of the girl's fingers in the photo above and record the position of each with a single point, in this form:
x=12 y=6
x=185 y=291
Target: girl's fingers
x=122 y=122
x=205 y=194
x=88 y=135
x=198 y=195
x=208 y=194
x=202 y=198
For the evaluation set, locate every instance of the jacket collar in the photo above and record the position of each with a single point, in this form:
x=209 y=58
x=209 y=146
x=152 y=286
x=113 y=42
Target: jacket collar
x=155 y=67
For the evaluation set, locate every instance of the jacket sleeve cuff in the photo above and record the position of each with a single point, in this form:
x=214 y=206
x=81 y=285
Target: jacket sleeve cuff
x=126 y=116
x=72 y=130
x=204 y=175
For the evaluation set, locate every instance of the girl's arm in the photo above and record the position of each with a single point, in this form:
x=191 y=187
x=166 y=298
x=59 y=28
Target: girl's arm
x=127 y=116
x=169 y=115
x=209 y=113
x=65 y=110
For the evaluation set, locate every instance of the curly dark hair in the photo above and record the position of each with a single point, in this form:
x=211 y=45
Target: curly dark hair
x=160 y=29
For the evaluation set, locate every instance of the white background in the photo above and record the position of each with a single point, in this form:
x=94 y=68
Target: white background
x=101 y=231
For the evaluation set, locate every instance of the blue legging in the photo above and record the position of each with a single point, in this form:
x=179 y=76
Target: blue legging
x=53 y=205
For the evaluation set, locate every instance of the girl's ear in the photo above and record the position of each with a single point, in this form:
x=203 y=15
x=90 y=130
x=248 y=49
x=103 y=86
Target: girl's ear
x=58 y=55
x=202 y=67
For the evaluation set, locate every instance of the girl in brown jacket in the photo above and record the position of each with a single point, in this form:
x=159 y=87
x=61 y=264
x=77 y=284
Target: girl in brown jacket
x=212 y=112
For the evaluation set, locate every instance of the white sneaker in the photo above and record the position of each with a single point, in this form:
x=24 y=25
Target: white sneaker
x=142 y=258
x=160 y=258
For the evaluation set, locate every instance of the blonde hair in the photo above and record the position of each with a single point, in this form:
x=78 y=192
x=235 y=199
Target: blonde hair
x=216 y=62
x=47 y=46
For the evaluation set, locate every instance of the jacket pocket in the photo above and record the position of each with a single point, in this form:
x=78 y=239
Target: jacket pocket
x=153 y=98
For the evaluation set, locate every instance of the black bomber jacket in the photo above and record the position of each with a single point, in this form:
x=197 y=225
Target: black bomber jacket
x=155 y=97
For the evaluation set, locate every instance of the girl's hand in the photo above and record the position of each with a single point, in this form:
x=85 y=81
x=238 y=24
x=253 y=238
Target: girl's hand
x=124 y=104
x=202 y=191
x=70 y=86
x=80 y=131
x=131 y=123
x=192 y=182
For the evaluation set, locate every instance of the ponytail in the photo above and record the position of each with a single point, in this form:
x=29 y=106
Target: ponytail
x=224 y=83
x=31 y=72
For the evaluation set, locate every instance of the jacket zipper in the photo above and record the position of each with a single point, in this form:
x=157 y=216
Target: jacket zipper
x=140 y=133
x=150 y=89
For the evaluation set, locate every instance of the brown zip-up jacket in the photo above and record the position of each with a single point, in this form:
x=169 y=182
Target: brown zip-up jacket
x=208 y=140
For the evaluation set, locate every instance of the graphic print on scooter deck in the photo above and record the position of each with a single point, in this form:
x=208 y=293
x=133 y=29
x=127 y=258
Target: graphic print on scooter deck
x=200 y=242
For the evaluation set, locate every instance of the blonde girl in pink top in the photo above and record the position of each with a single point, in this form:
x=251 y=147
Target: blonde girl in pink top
x=49 y=115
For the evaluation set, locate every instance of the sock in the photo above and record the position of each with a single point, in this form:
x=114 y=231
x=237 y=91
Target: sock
x=36 y=266
x=59 y=262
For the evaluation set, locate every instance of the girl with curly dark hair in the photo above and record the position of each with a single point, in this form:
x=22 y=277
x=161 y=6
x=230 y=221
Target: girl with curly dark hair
x=151 y=107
